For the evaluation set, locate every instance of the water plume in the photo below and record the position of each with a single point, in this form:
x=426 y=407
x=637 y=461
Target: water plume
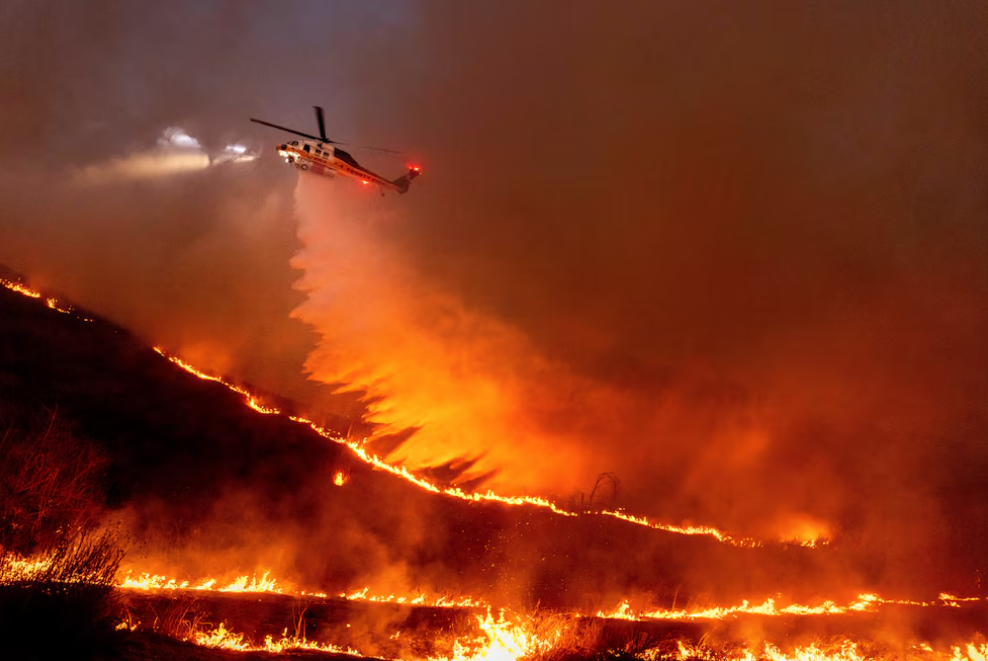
x=466 y=381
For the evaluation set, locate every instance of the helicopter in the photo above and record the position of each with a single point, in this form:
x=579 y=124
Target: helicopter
x=323 y=157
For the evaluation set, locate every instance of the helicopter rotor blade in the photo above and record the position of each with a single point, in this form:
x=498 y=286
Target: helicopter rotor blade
x=322 y=125
x=381 y=149
x=285 y=128
x=322 y=137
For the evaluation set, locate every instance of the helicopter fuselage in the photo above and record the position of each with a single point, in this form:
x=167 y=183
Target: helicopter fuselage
x=319 y=158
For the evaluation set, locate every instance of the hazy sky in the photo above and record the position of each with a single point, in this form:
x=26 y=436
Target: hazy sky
x=733 y=252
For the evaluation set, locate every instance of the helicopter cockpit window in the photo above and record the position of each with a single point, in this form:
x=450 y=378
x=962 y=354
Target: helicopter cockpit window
x=306 y=148
x=294 y=142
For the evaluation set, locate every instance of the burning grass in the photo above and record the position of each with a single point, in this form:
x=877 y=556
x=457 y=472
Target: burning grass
x=56 y=571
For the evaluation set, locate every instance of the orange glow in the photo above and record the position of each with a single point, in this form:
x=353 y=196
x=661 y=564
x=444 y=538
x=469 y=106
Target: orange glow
x=503 y=639
x=456 y=492
x=264 y=583
x=224 y=638
x=52 y=303
x=18 y=569
x=416 y=600
x=340 y=478
x=240 y=584
x=864 y=603
x=20 y=289
x=843 y=650
x=472 y=386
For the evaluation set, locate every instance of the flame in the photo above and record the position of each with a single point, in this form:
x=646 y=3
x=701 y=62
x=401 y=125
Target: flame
x=455 y=492
x=264 y=583
x=51 y=302
x=340 y=478
x=18 y=569
x=224 y=638
x=400 y=471
x=240 y=584
x=844 y=650
x=20 y=289
x=443 y=601
x=867 y=602
x=514 y=637
x=503 y=639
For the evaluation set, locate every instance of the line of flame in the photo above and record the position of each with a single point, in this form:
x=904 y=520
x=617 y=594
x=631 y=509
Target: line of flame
x=401 y=471
x=223 y=638
x=52 y=303
x=241 y=584
x=864 y=603
x=264 y=583
x=455 y=492
x=844 y=650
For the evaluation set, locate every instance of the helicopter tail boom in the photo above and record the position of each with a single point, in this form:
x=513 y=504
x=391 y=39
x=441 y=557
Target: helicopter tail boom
x=405 y=180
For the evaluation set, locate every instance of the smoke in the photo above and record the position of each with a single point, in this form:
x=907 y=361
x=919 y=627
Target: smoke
x=463 y=380
x=734 y=255
x=123 y=182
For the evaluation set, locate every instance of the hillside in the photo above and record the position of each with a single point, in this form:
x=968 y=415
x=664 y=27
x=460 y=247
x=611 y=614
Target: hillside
x=204 y=485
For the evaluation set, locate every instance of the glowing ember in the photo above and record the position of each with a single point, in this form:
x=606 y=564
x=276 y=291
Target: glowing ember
x=340 y=478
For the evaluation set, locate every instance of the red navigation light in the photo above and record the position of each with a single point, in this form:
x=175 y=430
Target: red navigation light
x=416 y=168
x=364 y=182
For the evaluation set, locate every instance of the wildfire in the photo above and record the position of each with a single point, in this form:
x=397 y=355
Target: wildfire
x=400 y=471
x=844 y=650
x=512 y=638
x=340 y=478
x=864 y=603
x=19 y=288
x=455 y=492
x=264 y=583
x=442 y=601
x=52 y=303
x=501 y=639
x=17 y=569
x=504 y=639
x=241 y=584
x=224 y=638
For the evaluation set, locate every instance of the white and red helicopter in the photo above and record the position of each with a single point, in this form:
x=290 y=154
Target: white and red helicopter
x=321 y=157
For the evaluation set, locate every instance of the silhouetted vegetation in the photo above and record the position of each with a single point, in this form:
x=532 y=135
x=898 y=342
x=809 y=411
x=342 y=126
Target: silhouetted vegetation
x=56 y=571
